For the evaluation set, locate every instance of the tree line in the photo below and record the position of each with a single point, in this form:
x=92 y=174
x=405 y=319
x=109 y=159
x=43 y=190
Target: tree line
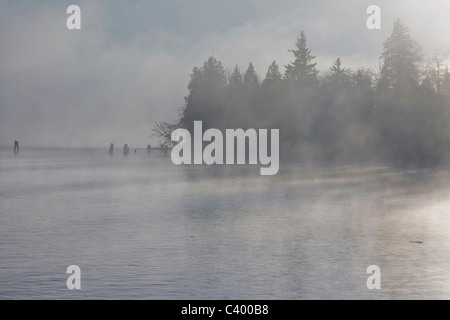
x=397 y=115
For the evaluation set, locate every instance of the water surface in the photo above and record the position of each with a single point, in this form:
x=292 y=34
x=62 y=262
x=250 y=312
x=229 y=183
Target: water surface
x=141 y=228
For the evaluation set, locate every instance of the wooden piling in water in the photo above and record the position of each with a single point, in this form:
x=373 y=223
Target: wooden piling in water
x=126 y=150
x=16 y=147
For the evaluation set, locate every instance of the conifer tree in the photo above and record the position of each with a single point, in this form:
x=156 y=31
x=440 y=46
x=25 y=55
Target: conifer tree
x=273 y=74
x=205 y=100
x=400 y=58
x=303 y=67
x=337 y=75
x=235 y=81
x=250 y=79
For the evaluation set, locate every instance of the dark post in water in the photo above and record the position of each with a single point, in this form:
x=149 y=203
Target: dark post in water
x=111 y=149
x=149 y=148
x=126 y=150
x=16 y=147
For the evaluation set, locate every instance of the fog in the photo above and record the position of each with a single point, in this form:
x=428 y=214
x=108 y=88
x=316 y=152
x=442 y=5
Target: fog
x=355 y=121
x=130 y=63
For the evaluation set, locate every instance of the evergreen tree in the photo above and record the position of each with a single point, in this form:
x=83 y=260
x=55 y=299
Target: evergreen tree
x=303 y=67
x=214 y=73
x=273 y=74
x=362 y=79
x=190 y=110
x=272 y=99
x=338 y=76
x=235 y=102
x=400 y=58
x=250 y=79
x=235 y=81
x=207 y=90
x=336 y=70
x=249 y=106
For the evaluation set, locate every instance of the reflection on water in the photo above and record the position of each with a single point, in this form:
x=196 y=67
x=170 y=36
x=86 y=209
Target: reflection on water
x=140 y=227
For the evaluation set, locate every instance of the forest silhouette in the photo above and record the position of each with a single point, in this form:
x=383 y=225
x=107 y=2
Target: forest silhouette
x=396 y=115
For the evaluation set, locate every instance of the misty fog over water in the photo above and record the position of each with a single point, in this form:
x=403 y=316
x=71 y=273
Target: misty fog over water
x=140 y=227
x=356 y=124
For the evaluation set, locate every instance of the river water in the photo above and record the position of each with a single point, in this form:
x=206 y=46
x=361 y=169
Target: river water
x=142 y=228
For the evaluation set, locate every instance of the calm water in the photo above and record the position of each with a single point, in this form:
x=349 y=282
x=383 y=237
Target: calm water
x=142 y=228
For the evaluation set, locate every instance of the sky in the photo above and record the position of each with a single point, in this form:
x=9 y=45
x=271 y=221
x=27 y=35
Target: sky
x=130 y=63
